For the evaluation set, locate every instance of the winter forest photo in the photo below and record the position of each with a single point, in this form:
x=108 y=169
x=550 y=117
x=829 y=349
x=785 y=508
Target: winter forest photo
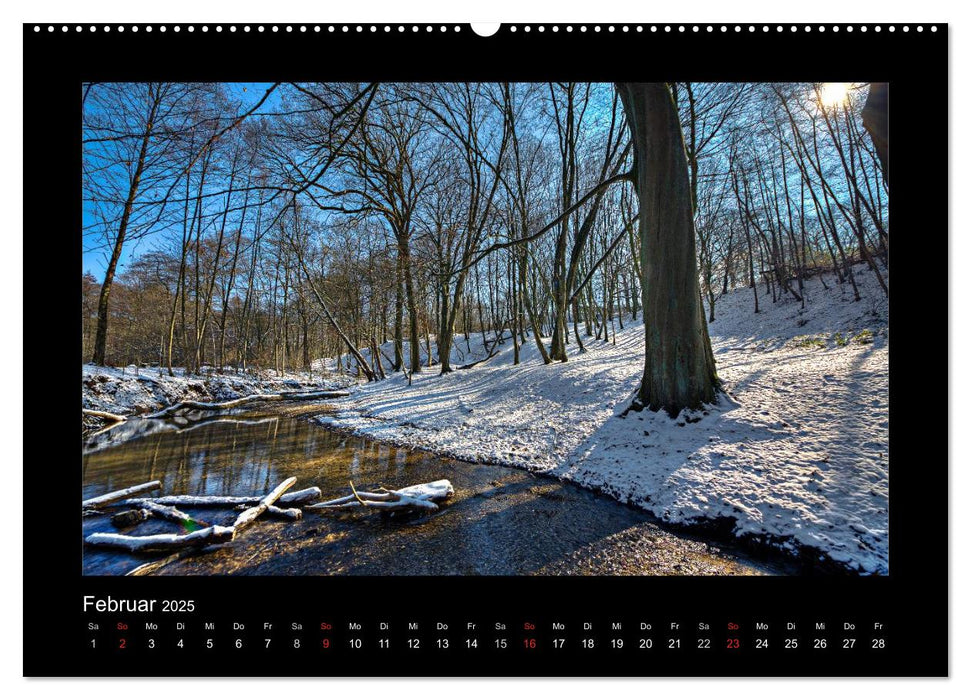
x=485 y=328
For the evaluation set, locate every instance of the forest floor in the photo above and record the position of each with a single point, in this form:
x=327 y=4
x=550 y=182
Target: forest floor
x=794 y=456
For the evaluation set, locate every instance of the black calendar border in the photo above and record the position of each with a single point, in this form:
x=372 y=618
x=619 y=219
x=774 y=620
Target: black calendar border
x=913 y=597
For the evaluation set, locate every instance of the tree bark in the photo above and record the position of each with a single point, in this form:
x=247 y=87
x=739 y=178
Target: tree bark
x=161 y=542
x=399 y=318
x=876 y=120
x=679 y=367
x=115 y=496
x=293 y=498
x=414 y=342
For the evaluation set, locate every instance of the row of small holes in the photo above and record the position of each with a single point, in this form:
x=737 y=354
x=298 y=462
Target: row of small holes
x=513 y=28
x=246 y=28
x=724 y=28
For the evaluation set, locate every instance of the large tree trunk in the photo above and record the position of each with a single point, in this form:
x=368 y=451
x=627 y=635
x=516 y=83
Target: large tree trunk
x=530 y=310
x=399 y=316
x=414 y=342
x=679 y=367
x=876 y=120
x=446 y=328
x=101 y=335
x=450 y=310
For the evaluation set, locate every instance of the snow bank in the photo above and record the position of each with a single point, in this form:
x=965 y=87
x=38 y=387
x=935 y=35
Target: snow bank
x=798 y=459
x=136 y=390
x=464 y=351
x=795 y=457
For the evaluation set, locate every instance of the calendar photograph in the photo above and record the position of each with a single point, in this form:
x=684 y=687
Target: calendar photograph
x=484 y=328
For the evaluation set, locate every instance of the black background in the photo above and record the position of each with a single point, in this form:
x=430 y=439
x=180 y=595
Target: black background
x=911 y=601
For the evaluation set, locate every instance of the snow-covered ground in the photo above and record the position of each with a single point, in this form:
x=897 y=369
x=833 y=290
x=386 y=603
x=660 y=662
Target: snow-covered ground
x=133 y=390
x=794 y=457
x=464 y=351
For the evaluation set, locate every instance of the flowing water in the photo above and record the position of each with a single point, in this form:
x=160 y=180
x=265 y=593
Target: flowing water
x=500 y=520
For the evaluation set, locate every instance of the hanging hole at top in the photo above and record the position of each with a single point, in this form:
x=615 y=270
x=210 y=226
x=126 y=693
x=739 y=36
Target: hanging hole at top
x=485 y=28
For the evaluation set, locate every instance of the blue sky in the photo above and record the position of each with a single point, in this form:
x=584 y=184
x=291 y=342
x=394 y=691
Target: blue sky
x=94 y=255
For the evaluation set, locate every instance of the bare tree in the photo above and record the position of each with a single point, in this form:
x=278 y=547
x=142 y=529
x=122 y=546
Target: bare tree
x=679 y=367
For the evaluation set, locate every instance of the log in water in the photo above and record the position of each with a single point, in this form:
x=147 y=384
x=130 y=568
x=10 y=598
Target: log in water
x=161 y=542
x=294 y=498
x=115 y=496
x=500 y=521
x=248 y=516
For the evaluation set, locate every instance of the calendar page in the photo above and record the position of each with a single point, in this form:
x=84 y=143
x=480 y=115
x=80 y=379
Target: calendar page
x=539 y=349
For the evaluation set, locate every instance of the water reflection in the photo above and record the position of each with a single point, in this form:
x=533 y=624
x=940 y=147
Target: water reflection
x=500 y=521
x=243 y=454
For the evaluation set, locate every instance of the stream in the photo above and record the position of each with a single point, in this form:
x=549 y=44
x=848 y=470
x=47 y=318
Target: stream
x=501 y=521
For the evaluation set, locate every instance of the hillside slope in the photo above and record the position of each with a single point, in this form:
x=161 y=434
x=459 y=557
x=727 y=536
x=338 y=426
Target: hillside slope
x=793 y=456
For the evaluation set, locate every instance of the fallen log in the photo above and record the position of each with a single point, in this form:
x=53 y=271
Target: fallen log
x=233 y=403
x=114 y=496
x=248 y=516
x=351 y=500
x=399 y=503
x=168 y=513
x=280 y=513
x=395 y=501
x=284 y=513
x=433 y=490
x=294 y=498
x=209 y=406
x=203 y=422
x=310 y=395
x=127 y=518
x=416 y=497
x=161 y=542
x=111 y=417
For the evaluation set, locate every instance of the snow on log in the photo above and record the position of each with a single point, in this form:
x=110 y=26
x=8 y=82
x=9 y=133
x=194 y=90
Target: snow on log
x=352 y=500
x=280 y=513
x=161 y=542
x=120 y=495
x=233 y=403
x=168 y=513
x=111 y=417
x=400 y=503
x=433 y=490
x=416 y=497
x=310 y=395
x=284 y=513
x=294 y=498
x=208 y=406
x=248 y=516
